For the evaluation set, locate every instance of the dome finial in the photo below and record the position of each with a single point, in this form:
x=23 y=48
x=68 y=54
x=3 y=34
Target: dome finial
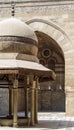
x=13 y=8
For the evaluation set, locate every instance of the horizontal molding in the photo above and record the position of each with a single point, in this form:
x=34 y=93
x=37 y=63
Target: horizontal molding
x=37 y=3
x=18 y=39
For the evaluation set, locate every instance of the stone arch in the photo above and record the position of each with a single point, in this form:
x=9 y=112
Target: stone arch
x=54 y=31
x=63 y=40
x=52 y=56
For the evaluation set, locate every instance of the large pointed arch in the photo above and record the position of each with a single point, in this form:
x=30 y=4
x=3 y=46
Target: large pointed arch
x=64 y=41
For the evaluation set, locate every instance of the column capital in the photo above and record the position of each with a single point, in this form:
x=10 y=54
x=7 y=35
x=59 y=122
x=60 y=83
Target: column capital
x=33 y=86
x=13 y=77
x=15 y=82
x=36 y=78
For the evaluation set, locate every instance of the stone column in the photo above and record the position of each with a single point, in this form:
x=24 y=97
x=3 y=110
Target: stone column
x=15 y=102
x=32 y=102
x=36 y=102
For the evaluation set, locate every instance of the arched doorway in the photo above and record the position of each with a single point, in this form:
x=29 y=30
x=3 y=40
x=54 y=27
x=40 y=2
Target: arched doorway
x=51 y=94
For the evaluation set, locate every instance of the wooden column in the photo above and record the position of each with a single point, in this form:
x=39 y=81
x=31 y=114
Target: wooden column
x=15 y=102
x=26 y=102
x=10 y=101
x=32 y=102
x=10 y=95
x=36 y=102
x=26 y=95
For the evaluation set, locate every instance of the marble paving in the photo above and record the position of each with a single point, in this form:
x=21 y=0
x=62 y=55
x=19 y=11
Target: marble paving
x=49 y=121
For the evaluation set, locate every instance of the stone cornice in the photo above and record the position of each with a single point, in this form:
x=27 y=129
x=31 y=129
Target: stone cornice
x=33 y=3
x=40 y=8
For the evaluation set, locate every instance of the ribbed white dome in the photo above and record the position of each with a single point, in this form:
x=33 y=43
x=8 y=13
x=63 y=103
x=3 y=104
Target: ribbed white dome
x=15 y=27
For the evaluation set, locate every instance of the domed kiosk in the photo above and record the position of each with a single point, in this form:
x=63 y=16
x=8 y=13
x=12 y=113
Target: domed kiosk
x=18 y=58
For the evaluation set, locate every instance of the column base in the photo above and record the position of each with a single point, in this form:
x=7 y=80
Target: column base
x=15 y=125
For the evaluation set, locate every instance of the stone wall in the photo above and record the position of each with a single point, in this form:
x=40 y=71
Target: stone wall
x=4 y=107
x=51 y=101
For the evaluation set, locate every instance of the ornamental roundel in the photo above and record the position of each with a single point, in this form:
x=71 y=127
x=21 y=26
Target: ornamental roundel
x=46 y=53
